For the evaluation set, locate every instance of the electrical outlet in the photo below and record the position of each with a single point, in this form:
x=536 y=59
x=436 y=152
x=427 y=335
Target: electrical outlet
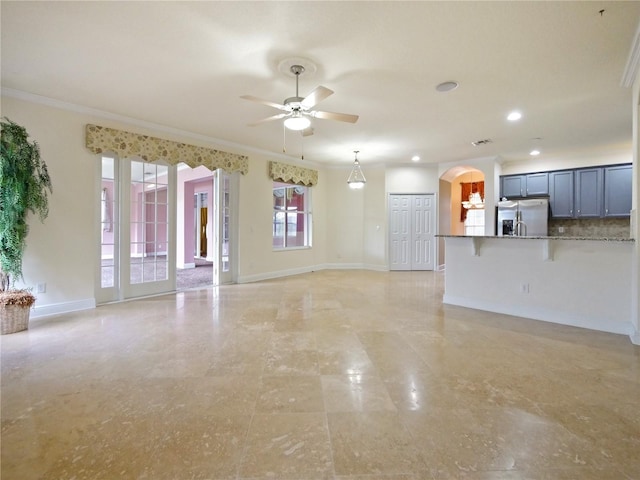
x=560 y=229
x=524 y=288
x=41 y=288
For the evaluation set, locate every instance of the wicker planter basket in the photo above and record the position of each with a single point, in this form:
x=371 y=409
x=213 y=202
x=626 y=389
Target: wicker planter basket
x=15 y=307
x=14 y=318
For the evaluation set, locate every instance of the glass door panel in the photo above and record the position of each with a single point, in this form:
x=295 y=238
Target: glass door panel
x=225 y=191
x=108 y=271
x=150 y=245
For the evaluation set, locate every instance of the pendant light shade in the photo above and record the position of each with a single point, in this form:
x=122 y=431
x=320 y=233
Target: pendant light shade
x=296 y=121
x=475 y=200
x=356 y=177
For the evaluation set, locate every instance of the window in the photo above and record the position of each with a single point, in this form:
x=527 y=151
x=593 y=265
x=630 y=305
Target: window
x=291 y=216
x=474 y=224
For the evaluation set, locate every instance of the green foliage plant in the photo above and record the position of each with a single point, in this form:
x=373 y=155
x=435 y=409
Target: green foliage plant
x=24 y=183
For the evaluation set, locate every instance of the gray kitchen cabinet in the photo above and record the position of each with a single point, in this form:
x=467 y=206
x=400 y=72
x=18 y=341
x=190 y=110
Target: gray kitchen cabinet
x=537 y=184
x=513 y=186
x=561 y=194
x=525 y=185
x=593 y=192
x=589 y=191
x=617 y=190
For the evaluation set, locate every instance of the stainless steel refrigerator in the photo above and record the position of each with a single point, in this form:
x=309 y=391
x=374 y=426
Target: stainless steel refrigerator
x=523 y=218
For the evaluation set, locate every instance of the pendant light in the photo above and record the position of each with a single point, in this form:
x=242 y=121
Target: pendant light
x=356 y=178
x=475 y=201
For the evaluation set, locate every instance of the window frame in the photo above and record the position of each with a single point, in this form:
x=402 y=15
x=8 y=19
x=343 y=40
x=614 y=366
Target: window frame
x=305 y=212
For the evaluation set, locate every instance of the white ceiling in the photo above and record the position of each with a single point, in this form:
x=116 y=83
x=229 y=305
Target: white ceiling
x=185 y=65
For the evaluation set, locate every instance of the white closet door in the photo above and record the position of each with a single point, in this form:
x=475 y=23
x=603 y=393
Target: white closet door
x=399 y=232
x=423 y=232
x=412 y=226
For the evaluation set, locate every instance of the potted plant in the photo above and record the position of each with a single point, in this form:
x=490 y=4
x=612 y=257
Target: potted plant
x=24 y=181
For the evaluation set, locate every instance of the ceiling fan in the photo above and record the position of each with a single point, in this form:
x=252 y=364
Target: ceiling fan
x=297 y=109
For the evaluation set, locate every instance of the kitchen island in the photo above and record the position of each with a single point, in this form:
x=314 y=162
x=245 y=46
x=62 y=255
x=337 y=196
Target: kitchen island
x=583 y=282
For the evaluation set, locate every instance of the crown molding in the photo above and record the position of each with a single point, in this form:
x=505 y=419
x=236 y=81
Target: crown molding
x=94 y=112
x=633 y=61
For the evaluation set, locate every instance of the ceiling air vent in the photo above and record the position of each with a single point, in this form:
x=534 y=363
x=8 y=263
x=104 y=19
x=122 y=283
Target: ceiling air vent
x=477 y=143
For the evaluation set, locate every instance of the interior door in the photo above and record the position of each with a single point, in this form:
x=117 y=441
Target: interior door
x=148 y=263
x=137 y=234
x=423 y=232
x=412 y=224
x=225 y=226
x=399 y=232
x=108 y=272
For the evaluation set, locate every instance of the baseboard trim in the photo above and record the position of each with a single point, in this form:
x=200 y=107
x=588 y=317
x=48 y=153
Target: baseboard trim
x=64 y=307
x=277 y=274
x=551 y=316
x=315 y=268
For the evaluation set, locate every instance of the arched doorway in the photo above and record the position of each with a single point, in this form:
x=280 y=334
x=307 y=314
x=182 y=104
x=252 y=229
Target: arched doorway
x=456 y=184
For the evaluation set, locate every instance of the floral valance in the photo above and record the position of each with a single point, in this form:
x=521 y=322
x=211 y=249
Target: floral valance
x=126 y=144
x=283 y=172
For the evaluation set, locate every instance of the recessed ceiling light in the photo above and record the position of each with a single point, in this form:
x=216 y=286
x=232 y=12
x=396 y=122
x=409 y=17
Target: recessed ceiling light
x=415 y=158
x=533 y=153
x=514 y=116
x=447 y=86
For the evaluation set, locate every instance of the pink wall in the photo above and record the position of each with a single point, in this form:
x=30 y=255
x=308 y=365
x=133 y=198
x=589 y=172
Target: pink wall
x=198 y=180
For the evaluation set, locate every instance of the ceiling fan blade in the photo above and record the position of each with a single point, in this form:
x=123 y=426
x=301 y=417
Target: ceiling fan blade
x=307 y=132
x=268 y=119
x=315 y=97
x=251 y=98
x=341 y=117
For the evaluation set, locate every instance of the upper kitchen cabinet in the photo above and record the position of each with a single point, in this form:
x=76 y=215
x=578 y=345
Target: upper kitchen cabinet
x=537 y=184
x=561 y=194
x=526 y=185
x=588 y=192
x=617 y=190
x=513 y=186
x=594 y=192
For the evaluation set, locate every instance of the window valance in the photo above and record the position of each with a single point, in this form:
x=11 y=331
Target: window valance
x=126 y=144
x=282 y=172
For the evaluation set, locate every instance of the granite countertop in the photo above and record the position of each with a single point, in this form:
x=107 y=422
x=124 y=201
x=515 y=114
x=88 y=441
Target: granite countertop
x=507 y=237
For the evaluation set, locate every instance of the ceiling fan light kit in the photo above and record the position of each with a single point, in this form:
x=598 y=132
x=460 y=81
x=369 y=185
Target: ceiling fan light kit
x=297 y=122
x=356 y=178
x=297 y=110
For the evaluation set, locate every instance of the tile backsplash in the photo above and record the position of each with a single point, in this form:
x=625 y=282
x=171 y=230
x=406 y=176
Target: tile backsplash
x=590 y=227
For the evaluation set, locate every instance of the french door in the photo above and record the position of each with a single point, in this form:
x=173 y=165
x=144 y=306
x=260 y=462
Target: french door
x=137 y=213
x=225 y=226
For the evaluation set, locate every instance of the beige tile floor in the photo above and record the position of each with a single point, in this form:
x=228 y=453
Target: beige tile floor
x=330 y=375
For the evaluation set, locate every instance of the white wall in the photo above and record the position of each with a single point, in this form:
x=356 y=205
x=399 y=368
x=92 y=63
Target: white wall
x=410 y=179
x=375 y=220
x=60 y=251
x=635 y=226
x=586 y=283
x=345 y=223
